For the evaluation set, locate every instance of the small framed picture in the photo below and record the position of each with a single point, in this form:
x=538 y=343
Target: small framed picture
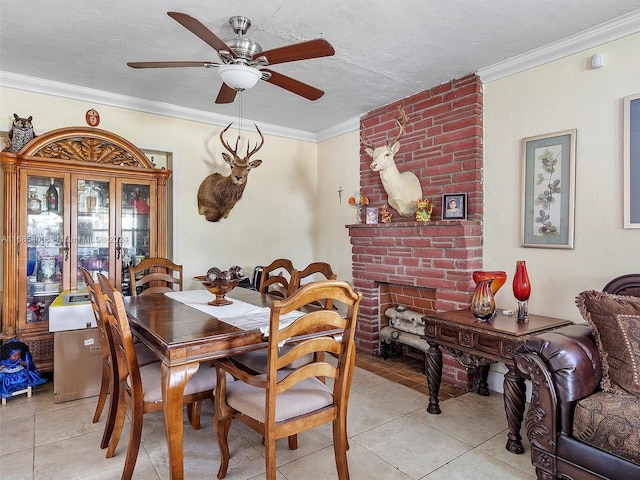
x=372 y=215
x=454 y=206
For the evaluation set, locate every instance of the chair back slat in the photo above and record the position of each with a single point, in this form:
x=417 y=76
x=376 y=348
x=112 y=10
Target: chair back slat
x=278 y=278
x=155 y=275
x=316 y=271
x=313 y=272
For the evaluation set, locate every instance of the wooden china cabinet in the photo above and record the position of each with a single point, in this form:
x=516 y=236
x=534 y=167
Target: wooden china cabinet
x=74 y=197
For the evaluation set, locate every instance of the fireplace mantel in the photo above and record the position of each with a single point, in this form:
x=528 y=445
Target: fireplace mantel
x=441 y=255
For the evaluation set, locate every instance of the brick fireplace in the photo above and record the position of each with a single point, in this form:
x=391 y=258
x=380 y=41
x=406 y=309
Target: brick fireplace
x=425 y=266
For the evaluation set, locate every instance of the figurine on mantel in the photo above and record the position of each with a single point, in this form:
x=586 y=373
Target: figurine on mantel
x=425 y=207
x=385 y=215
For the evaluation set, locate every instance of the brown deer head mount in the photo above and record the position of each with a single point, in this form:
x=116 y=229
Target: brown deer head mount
x=403 y=189
x=240 y=166
x=218 y=194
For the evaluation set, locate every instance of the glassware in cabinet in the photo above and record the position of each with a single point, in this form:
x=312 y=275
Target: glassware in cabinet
x=136 y=233
x=94 y=236
x=45 y=247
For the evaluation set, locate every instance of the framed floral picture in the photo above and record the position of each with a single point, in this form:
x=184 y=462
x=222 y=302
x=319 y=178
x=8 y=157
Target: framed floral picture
x=632 y=161
x=548 y=190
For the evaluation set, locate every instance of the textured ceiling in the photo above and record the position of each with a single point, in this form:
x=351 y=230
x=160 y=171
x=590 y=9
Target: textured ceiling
x=385 y=51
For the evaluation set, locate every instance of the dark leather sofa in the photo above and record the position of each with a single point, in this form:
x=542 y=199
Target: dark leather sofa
x=564 y=367
x=577 y=430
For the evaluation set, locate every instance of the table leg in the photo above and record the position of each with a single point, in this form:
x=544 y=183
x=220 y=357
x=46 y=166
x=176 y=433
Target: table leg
x=483 y=386
x=173 y=381
x=514 y=402
x=434 y=376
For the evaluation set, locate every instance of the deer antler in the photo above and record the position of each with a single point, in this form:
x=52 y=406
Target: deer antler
x=234 y=151
x=226 y=145
x=258 y=145
x=402 y=123
x=364 y=140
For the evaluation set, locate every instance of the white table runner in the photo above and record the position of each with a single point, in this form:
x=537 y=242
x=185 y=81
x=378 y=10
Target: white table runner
x=239 y=314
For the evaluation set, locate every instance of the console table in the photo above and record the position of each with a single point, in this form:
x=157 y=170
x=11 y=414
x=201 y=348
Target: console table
x=478 y=344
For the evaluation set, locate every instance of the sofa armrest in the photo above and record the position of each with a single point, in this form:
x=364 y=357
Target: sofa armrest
x=564 y=367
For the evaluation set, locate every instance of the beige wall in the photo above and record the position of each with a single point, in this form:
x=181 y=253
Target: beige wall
x=561 y=95
x=338 y=168
x=280 y=213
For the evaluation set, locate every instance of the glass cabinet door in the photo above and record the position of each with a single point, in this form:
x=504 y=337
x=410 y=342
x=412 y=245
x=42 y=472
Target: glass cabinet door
x=47 y=246
x=93 y=236
x=137 y=235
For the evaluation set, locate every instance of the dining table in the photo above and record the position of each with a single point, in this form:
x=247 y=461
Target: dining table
x=184 y=331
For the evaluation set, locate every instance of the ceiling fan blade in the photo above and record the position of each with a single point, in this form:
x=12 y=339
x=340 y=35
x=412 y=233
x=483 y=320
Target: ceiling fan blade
x=169 y=64
x=226 y=94
x=298 y=51
x=294 y=86
x=200 y=30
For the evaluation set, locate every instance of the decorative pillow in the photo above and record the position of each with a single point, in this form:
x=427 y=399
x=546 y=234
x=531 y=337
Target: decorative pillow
x=615 y=321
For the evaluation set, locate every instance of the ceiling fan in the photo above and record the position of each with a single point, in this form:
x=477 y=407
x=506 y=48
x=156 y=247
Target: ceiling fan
x=242 y=60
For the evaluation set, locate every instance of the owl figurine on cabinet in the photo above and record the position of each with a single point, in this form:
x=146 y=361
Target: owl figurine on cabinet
x=20 y=134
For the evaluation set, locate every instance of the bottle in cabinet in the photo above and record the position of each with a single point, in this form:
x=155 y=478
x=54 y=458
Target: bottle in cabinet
x=52 y=197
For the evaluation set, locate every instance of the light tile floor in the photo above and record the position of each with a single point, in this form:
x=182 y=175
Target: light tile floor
x=392 y=437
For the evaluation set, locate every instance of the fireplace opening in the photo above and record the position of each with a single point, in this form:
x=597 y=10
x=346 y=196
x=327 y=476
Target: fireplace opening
x=402 y=308
x=404 y=334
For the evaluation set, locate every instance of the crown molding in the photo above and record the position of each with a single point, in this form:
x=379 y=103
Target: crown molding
x=74 y=92
x=615 y=29
x=340 y=129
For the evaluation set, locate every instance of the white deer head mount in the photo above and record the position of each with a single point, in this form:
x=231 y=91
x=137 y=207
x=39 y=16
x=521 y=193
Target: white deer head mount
x=403 y=189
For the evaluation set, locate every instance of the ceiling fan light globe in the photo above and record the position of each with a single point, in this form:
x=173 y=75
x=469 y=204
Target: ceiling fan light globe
x=239 y=77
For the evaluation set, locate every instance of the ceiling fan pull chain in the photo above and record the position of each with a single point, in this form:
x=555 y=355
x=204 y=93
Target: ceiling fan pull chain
x=239 y=113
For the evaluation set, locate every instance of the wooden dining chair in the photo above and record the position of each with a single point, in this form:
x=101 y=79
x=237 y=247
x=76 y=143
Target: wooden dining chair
x=256 y=360
x=155 y=275
x=313 y=272
x=285 y=402
x=277 y=277
x=144 y=355
x=139 y=388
